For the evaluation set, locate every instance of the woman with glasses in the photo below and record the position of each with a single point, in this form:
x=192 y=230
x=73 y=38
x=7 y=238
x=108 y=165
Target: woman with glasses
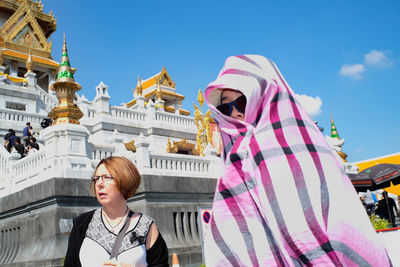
x=283 y=199
x=113 y=235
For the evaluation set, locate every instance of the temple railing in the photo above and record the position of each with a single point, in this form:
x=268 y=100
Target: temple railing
x=50 y=100
x=174 y=119
x=100 y=152
x=21 y=116
x=28 y=167
x=124 y=113
x=4 y=163
x=181 y=165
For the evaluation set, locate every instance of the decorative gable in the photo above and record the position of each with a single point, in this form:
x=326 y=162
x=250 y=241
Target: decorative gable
x=28 y=29
x=164 y=78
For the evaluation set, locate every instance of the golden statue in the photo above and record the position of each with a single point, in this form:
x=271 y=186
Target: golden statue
x=130 y=146
x=203 y=136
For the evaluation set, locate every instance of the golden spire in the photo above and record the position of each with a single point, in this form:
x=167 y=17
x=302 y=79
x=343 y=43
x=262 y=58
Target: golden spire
x=29 y=63
x=139 y=88
x=65 y=88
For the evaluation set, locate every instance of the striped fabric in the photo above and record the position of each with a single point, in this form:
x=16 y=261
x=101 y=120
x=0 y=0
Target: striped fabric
x=283 y=199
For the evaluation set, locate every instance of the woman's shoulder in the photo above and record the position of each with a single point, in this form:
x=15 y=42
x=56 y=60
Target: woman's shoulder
x=84 y=218
x=144 y=223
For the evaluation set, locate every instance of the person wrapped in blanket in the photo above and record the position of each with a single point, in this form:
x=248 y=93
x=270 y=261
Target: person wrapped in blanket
x=282 y=199
x=113 y=235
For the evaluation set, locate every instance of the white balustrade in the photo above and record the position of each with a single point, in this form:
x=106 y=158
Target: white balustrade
x=50 y=101
x=21 y=116
x=175 y=119
x=99 y=153
x=4 y=163
x=124 y=113
x=29 y=166
x=176 y=164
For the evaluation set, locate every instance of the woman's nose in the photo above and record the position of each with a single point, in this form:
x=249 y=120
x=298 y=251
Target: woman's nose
x=236 y=114
x=100 y=183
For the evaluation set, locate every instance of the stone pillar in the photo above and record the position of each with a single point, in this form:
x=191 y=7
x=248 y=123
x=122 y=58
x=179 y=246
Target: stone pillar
x=102 y=99
x=151 y=114
x=67 y=152
x=142 y=152
x=31 y=77
x=178 y=106
x=14 y=68
x=140 y=102
x=52 y=76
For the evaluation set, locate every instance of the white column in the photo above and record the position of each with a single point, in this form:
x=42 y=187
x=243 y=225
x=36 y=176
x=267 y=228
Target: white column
x=140 y=102
x=31 y=77
x=67 y=152
x=142 y=152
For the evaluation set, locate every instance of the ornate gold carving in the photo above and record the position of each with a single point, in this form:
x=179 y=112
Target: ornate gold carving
x=29 y=63
x=182 y=145
x=130 y=146
x=22 y=28
x=202 y=121
x=171 y=148
x=164 y=78
x=343 y=156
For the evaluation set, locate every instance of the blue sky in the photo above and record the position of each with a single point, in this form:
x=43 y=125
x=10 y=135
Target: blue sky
x=344 y=56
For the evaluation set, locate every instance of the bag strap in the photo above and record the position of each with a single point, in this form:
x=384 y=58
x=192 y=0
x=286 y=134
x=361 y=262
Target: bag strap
x=120 y=236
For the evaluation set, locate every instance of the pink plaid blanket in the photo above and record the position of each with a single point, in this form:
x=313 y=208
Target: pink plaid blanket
x=283 y=199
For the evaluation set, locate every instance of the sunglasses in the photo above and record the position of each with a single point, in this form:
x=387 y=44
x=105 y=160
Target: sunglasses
x=239 y=103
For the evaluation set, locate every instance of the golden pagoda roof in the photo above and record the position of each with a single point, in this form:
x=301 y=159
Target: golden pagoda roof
x=163 y=78
x=27 y=28
x=36 y=59
x=163 y=93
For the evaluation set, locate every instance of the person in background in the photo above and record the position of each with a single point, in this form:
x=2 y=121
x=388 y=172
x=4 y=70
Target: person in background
x=283 y=198
x=46 y=122
x=9 y=139
x=387 y=208
x=369 y=202
x=33 y=144
x=27 y=133
x=20 y=147
x=113 y=235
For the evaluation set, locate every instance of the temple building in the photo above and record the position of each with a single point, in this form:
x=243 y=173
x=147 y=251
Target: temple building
x=42 y=192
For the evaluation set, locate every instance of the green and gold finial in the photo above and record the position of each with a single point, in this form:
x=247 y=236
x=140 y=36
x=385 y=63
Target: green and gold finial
x=334 y=133
x=64 y=71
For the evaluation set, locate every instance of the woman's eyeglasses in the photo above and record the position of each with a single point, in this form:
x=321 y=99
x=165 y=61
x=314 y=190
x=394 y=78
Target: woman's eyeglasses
x=239 y=103
x=105 y=178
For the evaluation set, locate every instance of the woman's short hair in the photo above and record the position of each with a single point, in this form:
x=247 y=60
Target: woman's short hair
x=126 y=176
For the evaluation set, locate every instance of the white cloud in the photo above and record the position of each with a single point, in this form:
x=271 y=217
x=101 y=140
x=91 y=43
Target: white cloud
x=377 y=58
x=353 y=71
x=311 y=104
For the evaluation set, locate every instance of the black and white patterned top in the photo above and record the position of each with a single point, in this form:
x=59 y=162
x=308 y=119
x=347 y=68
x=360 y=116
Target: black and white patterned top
x=99 y=240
